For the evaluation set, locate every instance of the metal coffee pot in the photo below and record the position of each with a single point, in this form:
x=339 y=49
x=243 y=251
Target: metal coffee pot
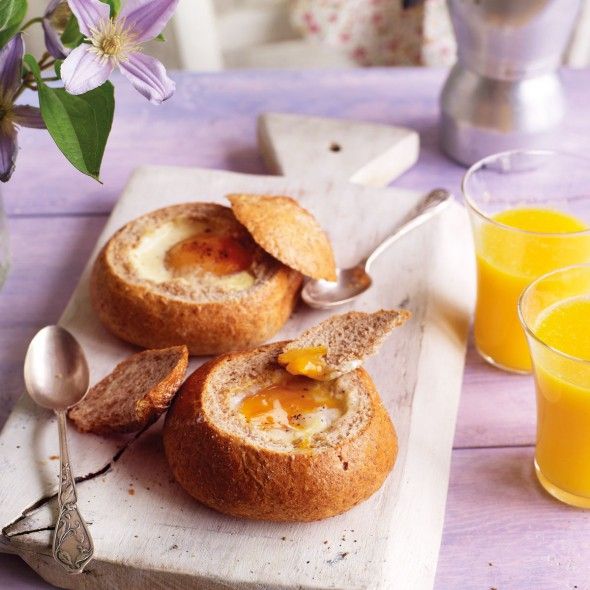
x=504 y=91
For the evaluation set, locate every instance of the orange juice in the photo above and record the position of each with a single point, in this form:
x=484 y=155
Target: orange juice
x=517 y=246
x=563 y=400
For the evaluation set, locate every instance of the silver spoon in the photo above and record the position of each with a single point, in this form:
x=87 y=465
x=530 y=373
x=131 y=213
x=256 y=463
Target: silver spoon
x=351 y=282
x=56 y=376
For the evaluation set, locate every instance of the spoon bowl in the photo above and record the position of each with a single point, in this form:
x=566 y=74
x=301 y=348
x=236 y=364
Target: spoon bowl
x=349 y=284
x=56 y=371
x=352 y=282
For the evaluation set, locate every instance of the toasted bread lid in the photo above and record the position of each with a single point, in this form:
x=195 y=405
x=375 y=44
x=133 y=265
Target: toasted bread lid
x=134 y=395
x=288 y=232
x=349 y=338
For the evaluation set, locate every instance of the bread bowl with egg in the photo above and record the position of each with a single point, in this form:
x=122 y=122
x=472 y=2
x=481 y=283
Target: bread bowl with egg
x=191 y=274
x=247 y=438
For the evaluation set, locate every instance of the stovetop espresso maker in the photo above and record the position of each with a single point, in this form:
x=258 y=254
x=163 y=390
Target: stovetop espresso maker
x=504 y=91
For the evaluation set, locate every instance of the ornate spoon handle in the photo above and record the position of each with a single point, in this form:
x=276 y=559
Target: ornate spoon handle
x=433 y=202
x=72 y=544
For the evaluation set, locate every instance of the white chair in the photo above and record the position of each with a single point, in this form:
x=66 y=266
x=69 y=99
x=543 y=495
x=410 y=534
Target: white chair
x=219 y=34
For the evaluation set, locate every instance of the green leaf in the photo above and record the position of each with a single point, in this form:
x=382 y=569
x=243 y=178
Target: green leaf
x=115 y=6
x=71 y=37
x=12 y=14
x=79 y=125
x=57 y=67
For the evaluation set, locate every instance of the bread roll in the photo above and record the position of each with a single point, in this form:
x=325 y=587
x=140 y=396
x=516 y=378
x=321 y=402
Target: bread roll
x=191 y=274
x=324 y=447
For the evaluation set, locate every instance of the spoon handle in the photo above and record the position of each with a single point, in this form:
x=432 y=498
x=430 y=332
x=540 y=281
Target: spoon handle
x=72 y=544
x=433 y=202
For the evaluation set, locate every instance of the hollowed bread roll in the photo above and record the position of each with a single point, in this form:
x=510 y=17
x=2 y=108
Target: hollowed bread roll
x=323 y=448
x=191 y=274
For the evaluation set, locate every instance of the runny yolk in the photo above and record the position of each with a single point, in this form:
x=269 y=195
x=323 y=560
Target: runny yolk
x=305 y=361
x=218 y=254
x=297 y=396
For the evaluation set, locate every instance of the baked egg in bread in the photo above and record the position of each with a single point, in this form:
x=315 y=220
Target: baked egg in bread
x=191 y=274
x=247 y=438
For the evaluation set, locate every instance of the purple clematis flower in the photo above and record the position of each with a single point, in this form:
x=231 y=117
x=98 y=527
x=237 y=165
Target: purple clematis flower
x=55 y=20
x=116 y=42
x=11 y=115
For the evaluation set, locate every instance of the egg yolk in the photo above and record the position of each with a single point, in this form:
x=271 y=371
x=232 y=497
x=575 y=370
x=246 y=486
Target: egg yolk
x=218 y=254
x=305 y=361
x=296 y=396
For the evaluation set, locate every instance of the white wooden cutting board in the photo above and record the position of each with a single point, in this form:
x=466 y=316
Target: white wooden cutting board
x=148 y=533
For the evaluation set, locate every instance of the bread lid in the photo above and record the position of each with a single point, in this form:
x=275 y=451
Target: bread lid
x=340 y=344
x=288 y=232
x=134 y=395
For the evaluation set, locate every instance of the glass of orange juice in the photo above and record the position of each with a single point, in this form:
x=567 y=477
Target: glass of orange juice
x=530 y=214
x=555 y=313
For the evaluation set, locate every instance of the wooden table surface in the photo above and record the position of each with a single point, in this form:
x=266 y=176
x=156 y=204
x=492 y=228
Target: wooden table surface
x=501 y=530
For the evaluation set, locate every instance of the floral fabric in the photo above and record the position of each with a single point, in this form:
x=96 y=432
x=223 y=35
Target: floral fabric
x=380 y=32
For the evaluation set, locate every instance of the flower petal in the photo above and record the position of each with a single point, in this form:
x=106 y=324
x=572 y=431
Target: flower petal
x=51 y=7
x=148 y=77
x=147 y=18
x=53 y=42
x=90 y=14
x=11 y=64
x=8 y=152
x=83 y=70
x=28 y=116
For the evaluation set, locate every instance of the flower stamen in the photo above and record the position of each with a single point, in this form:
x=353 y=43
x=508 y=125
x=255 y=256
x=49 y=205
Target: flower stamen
x=112 y=41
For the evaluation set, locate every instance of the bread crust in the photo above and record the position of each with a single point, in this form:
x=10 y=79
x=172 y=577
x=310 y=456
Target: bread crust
x=234 y=476
x=90 y=415
x=288 y=232
x=138 y=314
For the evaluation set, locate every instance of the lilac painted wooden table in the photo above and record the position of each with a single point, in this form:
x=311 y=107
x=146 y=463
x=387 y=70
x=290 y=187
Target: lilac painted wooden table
x=501 y=530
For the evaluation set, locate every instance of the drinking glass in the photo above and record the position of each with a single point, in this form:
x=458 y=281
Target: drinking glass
x=510 y=258
x=562 y=453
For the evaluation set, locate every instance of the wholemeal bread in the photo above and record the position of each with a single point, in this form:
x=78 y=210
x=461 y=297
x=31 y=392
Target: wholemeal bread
x=134 y=395
x=246 y=438
x=341 y=342
x=287 y=231
x=191 y=274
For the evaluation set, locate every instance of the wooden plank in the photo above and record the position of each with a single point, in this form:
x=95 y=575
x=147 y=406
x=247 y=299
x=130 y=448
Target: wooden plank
x=497 y=408
x=47 y=258
x=418 y=375
x=530 y=540
x=503 y=531
x=211 y=123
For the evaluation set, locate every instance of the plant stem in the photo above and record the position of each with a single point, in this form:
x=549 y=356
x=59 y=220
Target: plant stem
x=44 y=58
x=31 y=22
x=28 y=79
